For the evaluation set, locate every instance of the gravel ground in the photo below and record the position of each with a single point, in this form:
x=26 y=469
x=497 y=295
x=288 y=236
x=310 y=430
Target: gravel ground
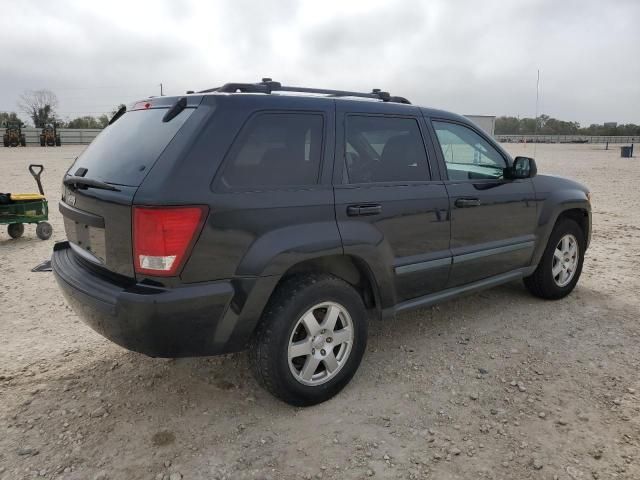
x=498 y=385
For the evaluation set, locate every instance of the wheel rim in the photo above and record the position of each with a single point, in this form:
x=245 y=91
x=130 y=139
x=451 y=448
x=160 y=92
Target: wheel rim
x=320 y=343
x=565 y=260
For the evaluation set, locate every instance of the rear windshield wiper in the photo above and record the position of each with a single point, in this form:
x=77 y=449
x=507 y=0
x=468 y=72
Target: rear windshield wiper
x=80 y=182
x=175 y=110
x=121 y=111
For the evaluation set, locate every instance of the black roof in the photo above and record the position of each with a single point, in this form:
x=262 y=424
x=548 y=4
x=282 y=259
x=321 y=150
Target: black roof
x=271 y=89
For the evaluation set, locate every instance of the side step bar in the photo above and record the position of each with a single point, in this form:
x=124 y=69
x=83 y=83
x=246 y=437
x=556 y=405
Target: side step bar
x=433 y=298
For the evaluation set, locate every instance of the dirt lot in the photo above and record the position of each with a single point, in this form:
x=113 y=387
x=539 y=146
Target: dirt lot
x=498 y=385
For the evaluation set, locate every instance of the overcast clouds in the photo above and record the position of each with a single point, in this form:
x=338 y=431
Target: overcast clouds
x=464 y=56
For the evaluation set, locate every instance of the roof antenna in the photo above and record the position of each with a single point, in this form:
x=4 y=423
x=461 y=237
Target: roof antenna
x=535 y=128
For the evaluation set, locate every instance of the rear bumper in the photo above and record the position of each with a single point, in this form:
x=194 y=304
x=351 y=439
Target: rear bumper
x=191 y=320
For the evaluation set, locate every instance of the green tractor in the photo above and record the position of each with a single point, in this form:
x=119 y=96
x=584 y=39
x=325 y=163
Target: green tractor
x=49 y=136
x=13 y=136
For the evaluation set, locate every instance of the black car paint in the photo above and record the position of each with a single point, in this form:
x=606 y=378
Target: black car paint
x=413 y=226
x=413 y=252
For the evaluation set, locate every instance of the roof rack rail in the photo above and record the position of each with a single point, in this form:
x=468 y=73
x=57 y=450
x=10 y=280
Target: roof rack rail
x=267 y=85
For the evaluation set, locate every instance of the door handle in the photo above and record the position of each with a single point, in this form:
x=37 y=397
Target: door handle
x=363 y=210
x=467 y=202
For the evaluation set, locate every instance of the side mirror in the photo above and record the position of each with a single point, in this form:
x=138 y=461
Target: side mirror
x=523 y=167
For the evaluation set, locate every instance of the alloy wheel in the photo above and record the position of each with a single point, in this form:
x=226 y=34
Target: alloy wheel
x=320 y=343
x=565 y=260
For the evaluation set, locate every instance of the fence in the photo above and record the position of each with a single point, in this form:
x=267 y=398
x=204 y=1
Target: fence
x=68 y=136
x=79 y=136
x=567 y=139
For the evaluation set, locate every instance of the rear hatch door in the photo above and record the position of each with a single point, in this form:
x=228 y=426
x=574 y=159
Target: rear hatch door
x=99 y=188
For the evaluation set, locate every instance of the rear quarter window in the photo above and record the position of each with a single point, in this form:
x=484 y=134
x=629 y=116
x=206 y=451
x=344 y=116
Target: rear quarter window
x=275 y=150
x=125 y=151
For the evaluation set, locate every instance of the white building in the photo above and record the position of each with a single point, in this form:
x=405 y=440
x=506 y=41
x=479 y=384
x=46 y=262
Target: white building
x=485 y=122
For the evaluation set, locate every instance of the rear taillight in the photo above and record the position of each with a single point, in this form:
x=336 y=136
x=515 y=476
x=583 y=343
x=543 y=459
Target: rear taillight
x=164 y=236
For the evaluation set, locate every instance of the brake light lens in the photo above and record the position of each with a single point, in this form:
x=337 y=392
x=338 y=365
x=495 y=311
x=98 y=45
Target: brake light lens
x=164 y=236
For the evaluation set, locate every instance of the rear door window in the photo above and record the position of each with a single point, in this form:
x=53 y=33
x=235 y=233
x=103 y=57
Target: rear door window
x=275 y=150
x=125 y=151
x=384 y=149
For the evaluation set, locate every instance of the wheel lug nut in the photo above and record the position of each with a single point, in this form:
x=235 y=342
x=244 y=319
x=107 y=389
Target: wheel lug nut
x=329 y=339
x=323 y=352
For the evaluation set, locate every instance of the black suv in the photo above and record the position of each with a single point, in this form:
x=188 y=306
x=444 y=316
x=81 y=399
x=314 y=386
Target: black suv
x=282 y=219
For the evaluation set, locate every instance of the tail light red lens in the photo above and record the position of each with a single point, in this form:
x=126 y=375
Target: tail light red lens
x=164 y=236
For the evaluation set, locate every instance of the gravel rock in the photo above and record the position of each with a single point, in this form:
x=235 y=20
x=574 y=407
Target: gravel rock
x=98 y=412
x=28 y=451
x=175 y=476
x=574 y=473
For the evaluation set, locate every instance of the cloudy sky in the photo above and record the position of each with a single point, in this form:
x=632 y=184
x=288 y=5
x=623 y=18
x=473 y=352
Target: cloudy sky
x=467 y=56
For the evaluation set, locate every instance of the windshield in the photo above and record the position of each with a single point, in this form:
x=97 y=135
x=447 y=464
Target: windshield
x=126 y=150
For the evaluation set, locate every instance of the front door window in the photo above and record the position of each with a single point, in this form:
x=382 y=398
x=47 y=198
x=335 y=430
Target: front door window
x=467 y=155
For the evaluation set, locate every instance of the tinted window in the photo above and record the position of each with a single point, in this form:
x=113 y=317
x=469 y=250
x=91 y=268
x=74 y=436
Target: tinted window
x=384 y=149
x=275 y=149
x=467 y=154
x=125 y=151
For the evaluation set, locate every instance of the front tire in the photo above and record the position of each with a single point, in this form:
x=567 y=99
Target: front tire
x=561 y=263
x=310 y=340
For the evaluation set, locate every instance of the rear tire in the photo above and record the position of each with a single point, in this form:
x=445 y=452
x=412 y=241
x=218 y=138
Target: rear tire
x=330 y=350
x=559 y=269
x=44 y=230
x=15 y=230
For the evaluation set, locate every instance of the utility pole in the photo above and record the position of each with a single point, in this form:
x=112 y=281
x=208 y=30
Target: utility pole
x=161 y=94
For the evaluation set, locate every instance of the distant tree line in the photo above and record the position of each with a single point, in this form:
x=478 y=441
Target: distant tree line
x=552 y=126
x=41 y=105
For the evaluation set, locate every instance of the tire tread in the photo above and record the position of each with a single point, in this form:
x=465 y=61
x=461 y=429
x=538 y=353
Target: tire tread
x=539 y=283
x=261 y=353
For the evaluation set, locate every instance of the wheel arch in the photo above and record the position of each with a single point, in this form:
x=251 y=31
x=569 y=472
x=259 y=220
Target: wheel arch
x=577 y=210
x=349 y=268
x=254 y=294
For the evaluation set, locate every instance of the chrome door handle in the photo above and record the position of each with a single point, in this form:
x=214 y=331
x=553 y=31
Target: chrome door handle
x=467 y=202
x=363 y=210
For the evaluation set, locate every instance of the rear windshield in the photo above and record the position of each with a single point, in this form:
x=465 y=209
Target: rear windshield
x=125 y=151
